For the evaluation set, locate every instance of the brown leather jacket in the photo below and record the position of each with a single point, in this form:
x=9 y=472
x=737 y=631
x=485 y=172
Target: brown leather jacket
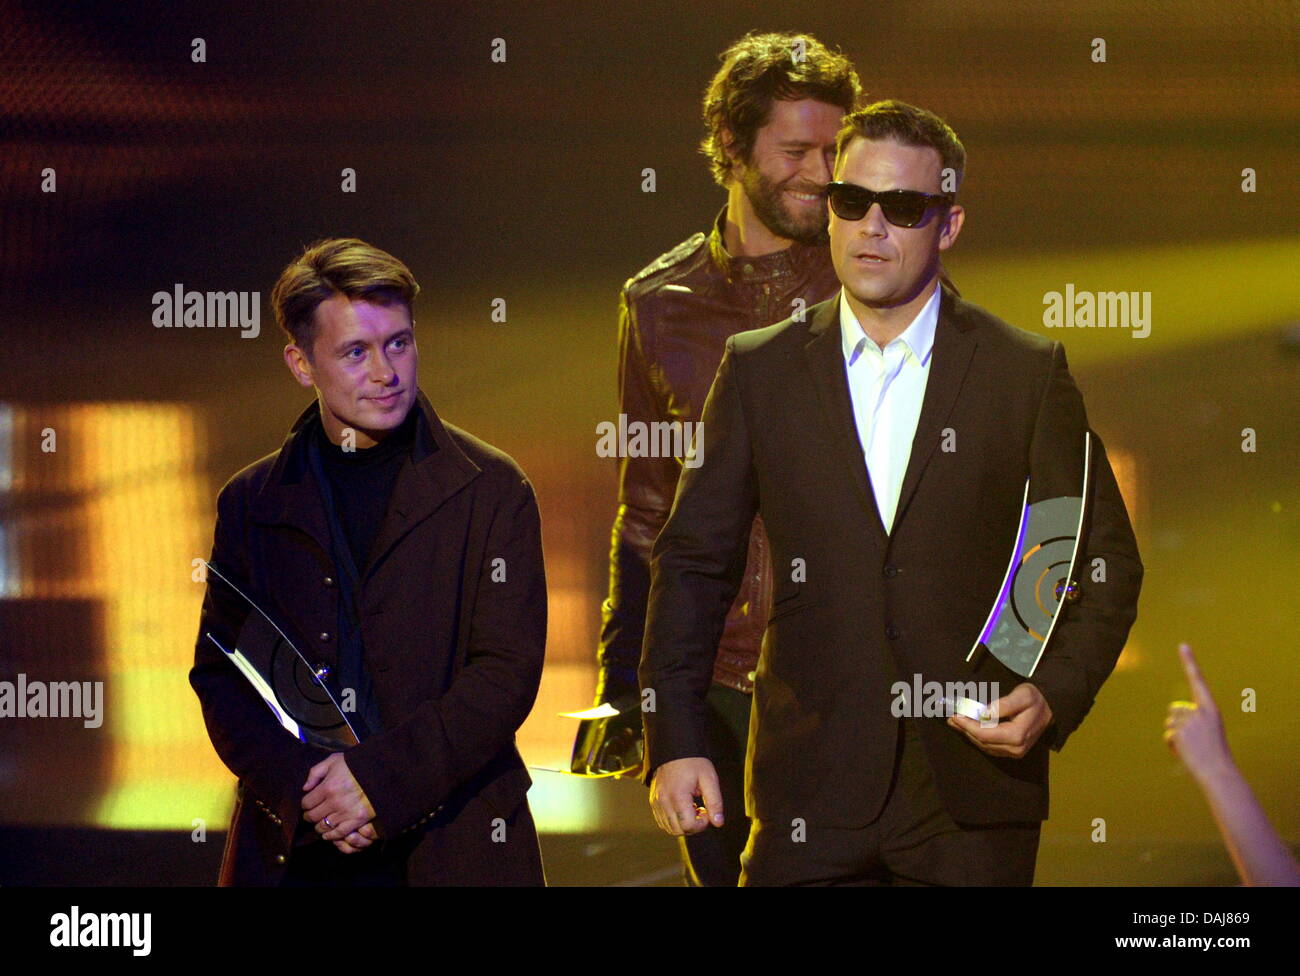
x=674 y=318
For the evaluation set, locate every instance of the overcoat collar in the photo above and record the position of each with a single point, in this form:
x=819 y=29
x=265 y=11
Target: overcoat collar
x=435 y=469
x=954 y=344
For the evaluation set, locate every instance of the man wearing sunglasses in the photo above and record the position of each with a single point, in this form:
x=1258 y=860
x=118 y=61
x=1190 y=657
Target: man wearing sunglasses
x=885 y=441
x=772 y=111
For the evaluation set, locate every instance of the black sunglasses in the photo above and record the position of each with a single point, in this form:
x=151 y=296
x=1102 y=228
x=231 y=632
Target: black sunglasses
x=902 y=208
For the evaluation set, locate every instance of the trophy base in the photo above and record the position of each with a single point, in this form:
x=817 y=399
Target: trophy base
x=972 y=709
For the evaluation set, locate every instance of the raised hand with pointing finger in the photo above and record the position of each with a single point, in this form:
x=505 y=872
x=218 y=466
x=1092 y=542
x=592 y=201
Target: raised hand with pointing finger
x=1194 y=731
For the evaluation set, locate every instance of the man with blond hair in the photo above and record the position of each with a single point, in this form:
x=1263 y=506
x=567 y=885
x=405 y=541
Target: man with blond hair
x=407 y=554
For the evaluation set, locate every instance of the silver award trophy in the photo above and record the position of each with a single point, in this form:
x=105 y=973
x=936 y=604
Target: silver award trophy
x=1040 y=579
x=294 y=691
x=610 y=741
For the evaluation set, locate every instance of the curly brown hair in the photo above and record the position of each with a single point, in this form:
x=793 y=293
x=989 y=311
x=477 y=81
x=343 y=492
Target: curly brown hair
x=337 y=266
x=758 y=69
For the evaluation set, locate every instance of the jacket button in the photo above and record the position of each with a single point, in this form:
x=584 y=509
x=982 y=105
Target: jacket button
x=891 y=571
x=328 y=581
x=325 y=636
x=1071 y=590
x=279 y=859
x=891 y=632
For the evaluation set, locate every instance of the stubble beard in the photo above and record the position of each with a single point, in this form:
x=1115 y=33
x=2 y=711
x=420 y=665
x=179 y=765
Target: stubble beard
x=767 y=201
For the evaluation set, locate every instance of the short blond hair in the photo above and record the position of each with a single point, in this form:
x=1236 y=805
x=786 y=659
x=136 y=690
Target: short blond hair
x=337 y=266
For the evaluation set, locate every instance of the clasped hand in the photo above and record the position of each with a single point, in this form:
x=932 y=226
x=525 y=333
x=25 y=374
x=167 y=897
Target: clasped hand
x=332 y=793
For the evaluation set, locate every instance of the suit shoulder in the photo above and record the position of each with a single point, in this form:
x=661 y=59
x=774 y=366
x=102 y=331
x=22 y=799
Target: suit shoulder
x=999 y=331
x=664 y=269
x=500 y=468
x=777 y=339
x=248 y=480
x=1004 y=337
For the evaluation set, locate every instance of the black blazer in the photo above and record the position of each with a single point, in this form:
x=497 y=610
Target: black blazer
x=453 y=615
x=779 y=438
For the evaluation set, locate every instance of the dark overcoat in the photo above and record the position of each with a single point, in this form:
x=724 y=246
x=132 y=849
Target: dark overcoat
x=452 y=607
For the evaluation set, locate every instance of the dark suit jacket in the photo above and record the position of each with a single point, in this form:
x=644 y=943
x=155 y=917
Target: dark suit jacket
x=779 y=437
x=454 y=654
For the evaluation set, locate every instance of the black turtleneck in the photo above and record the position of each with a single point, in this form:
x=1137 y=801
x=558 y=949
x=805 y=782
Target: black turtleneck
x=363 y=480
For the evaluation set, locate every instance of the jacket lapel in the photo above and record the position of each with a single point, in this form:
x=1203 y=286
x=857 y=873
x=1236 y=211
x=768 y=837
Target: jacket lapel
x=435 y=470
x=825 y=358
x=954 y=344
x=290 y=495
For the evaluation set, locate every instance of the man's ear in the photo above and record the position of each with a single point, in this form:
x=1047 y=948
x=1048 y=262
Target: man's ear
x=728 y=140
x=299 y=365
x=952 y=223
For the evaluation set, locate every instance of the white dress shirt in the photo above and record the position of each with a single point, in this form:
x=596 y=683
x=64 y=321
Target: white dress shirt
x=887 y=388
